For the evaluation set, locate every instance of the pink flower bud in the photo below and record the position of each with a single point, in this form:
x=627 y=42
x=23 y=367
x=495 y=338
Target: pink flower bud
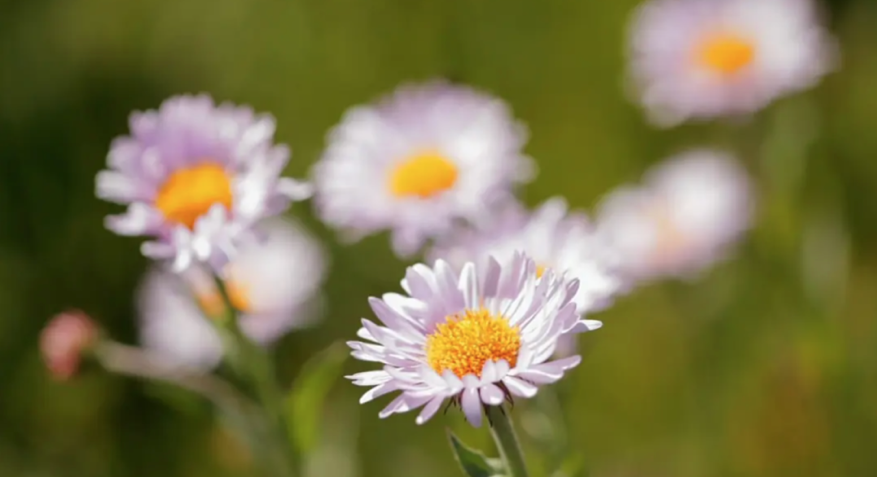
x=63 y=341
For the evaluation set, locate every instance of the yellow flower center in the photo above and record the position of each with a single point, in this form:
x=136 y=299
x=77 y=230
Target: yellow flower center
x=725 y=53
x=540 y=270
x=670 y=241
x=423 y=175
x=190 y=192
x=466 y=341
x=211 y=302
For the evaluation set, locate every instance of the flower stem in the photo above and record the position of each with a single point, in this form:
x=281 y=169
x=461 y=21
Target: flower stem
x=503 y=433
x=253 y=361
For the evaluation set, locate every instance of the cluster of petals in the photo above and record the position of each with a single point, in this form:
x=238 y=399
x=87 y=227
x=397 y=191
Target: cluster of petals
x=541 y=310
x=196 y=177
x=274 y=284
x=683 y=218
x=417 y=161
x=702 y=59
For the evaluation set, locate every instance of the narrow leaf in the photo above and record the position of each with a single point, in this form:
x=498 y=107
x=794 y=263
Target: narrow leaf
x=304 y=404
x=473 y=462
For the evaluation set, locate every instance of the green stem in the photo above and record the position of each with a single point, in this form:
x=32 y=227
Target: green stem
x=252 y=360
x=503 y=433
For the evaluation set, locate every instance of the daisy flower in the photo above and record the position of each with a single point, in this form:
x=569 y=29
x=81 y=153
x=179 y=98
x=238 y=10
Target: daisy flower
x=552 y=235
x=196 y=177
x=417 y=161
x=476 y=337
x=699 y=59
x=273 y=283
x=682 y=219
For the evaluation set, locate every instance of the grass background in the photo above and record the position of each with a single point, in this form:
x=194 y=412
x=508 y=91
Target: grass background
x=765 y=367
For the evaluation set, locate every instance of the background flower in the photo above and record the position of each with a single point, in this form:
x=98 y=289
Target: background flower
x=273 y=283
x=418 y=160
x=694 y=59
x=196 y=177
x=682 y=219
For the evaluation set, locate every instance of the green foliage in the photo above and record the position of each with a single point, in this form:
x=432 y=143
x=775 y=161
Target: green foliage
x=304 y=404
x=473 y=462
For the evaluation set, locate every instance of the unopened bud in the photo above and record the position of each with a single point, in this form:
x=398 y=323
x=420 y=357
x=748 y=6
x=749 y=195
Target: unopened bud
x=63 y=341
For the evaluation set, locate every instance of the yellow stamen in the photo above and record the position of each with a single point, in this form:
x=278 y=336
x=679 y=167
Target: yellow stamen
x=725 y=53
x=466 y=341
x=423 y=175
x=211 y=302
x=540 y=270
x=190 y=192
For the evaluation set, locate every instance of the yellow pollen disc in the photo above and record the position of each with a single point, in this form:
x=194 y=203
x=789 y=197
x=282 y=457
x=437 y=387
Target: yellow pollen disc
x=670 y=241
x=190 y=192
x=211 y=302
x=726 y=53
x=540 y=270
x=423 y=175
x=465 y=341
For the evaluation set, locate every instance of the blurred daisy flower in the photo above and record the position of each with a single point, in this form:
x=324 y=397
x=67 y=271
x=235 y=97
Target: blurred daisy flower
x=196 y=177
x=551 y=235
x=682 y=219
x=476 y=337
x=64 y=340
x=417 y=161
x=273 y=283
x=699 y=59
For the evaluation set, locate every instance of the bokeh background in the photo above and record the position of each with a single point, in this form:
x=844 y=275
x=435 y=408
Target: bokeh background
x=767 y=366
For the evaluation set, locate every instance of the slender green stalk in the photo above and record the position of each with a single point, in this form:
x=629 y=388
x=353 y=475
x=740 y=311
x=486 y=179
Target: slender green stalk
x=503 y=433
x=243 y=414
x=252 y=360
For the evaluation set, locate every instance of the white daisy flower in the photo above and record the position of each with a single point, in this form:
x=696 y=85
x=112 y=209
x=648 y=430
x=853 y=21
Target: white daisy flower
x=196 y=177
x=682 y=219
x=476 y=338
x=417 y=161
x=273 y=283
x=699 y=59
x=552 y=235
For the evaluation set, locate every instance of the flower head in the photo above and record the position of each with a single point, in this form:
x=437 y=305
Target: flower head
x=272 y=284
x=417 y=161
x=64 y=340
x=476 y=337
x=196 y=177
x=682 y=219
x=552 y=235
x=699 y=59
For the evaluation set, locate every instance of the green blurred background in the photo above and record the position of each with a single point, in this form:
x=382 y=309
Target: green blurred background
x=765 y=367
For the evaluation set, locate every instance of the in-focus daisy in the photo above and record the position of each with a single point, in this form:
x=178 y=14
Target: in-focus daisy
x=196 y=177
x=476 y=337
x=552 y=236
x=417 y=161
x=698 y=59
x=64 y=340
x=272 y=282
x=682 y=219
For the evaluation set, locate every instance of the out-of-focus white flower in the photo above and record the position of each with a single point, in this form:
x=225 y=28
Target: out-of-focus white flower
x=417 y=161
x=552 y=235
x=196 y=177
x=272 y=282
x=699 y=59
x=477 y=337
x=682 y=219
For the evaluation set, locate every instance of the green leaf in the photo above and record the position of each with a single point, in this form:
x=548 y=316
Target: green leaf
x=304 y=403
x=473 y=462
